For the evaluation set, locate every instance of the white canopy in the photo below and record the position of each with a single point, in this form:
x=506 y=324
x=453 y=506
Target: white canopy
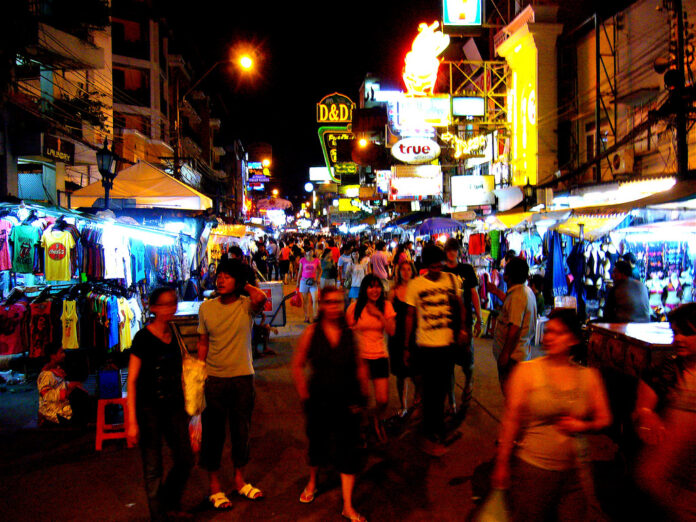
x=147 y=186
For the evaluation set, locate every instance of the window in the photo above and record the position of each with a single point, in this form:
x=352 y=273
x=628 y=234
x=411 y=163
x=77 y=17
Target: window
x=131 y=86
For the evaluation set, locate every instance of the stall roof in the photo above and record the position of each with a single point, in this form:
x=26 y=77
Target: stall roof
x=148 y=186
x=593 y=226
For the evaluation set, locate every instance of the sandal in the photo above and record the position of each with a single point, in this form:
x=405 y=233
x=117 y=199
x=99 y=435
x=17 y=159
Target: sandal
x=307 y=496
x=250 y=492
x=357 y=517
x=220 y=501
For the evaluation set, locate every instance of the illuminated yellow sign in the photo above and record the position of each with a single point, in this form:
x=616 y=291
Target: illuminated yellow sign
x=463 y=147
x=335 y=108
x=521 y=54
x=422 y=63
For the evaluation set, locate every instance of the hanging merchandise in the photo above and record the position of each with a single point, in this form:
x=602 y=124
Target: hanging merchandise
x=24 y=239
x=117 y=258
x=40 y=332
x=126 y=315
x=137 y=249
x=494 y=236
x=555 y=264
x=69 y=323
x=57 y=245
x=13 y=335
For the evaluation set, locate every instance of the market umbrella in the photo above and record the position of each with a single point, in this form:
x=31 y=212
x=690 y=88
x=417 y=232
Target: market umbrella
x=273 y=204
x=411 y=217
x=438 y=225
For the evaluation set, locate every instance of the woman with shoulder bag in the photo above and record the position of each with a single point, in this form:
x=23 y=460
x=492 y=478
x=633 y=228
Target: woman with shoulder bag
x=156 y=406
x=308 y=276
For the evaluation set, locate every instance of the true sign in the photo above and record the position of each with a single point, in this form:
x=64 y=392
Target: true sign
x=415 y=151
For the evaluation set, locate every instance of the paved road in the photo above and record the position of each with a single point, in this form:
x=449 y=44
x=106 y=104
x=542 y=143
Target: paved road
x=72 y=481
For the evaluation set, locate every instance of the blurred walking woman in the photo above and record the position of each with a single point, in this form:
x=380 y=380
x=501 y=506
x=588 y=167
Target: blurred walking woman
x=332 y=396
x=156 y=406
x=371 y=317
x=551 y=402
x=665 y=415
x=308 y=281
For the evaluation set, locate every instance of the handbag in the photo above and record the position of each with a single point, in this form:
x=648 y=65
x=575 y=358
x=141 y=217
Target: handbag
x=193 y=376
x=310 y=281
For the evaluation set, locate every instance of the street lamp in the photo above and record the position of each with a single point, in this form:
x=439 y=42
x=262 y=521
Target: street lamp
x=106 y=163
x=275 y=193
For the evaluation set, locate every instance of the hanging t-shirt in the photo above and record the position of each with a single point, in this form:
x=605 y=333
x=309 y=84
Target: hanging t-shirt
x=11 y=332
x=24 y=238
x=40 y=331
x=112 y=322
x=69 y=321
x=126 y=316
x=116 y=256
x=57 y=245
x=5 y=231
x=137 y=316
x=138 y=260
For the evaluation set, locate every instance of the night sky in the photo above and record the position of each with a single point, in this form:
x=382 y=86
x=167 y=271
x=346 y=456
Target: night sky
x=308 y=50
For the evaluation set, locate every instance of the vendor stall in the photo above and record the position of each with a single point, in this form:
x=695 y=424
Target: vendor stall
x=624 y=352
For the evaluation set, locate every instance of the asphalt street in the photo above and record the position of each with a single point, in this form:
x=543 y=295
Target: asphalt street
x=69 y=480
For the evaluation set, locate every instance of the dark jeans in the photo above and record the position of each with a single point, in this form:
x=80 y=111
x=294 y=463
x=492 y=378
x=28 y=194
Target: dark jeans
x=171 y=423
x=436 y=366
x=228 y=400
x=540 y=494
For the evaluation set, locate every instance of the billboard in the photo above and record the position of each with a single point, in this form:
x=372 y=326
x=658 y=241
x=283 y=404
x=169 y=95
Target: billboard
x=415 y=182
x=458 y=14
x=470 y=191
x=319 y=174
x=468 y=106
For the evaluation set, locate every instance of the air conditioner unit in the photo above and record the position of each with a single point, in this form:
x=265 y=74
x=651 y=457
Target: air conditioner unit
x=621 y=162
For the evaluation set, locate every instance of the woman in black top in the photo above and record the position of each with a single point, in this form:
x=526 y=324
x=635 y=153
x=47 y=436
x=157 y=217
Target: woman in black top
x=156 y=406
x=332 y=396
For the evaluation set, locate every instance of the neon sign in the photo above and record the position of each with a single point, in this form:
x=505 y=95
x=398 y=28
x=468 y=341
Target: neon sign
x=422 y=63
x=465 y=147
x=335 y=108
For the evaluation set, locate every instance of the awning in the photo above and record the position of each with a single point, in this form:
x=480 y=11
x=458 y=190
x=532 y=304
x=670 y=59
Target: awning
x=511 y=219
x=229 y=230
x=145 y=186
x=682 y=191
x=590 y=227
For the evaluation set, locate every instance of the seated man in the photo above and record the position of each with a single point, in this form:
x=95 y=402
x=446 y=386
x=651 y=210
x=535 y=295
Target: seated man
x=60 y=401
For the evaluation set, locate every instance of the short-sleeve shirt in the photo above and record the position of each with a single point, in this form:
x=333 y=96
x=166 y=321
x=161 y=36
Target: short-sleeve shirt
x=229 y=329
x=159 y=379
x=519 y=309
x=24 y=238
x=5 y=231
x=57 y=245
x=309 y=268
x=469 y=281
x=369 y=333
x=379 y=264
x=432 y=302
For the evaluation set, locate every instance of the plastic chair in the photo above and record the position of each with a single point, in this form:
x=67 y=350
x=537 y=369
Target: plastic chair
x=111 y=431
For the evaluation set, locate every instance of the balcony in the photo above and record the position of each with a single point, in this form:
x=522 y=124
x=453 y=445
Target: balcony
x=62 y=50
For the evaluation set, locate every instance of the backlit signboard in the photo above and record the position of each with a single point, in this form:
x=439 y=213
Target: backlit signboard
x=417 y=116
x=319 y=174
x=329 y=138
x=468 y=191
x=335 y=108
x=415 y=182
x=468 y=106
x=462 y=13
x=415 y=150
x=382 y=178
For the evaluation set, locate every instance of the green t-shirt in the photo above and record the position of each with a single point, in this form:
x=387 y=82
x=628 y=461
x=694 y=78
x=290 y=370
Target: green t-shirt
x=24 y=239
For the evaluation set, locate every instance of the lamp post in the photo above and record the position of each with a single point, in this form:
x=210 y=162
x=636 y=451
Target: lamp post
x=106 y=163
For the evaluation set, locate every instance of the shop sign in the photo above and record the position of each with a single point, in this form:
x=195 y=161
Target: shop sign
x=415 y=188
x=335 y=108
x=468 y=191
x=58 y=149
x=367 y=193
x=350 y=191
x=329 y=138
x=415 y=151
x=423 y=172
x=347 y=205
x=422 y=63
x=319 y=174
x=406 y=114
x=466 y=215
x=462 y=13
x=468 y=106
x=382 y=178
x=474 y=146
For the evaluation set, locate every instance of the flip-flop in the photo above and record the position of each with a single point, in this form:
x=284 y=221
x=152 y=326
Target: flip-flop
x=356 y=518
x=307 y=496
x=218 y=500
x=250 y=492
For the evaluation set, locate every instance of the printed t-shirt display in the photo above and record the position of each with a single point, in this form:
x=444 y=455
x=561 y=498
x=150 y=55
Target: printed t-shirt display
x=370 y=332
x=432 y=302
x=229 y=329
x=138 y=260
x=40 y=331
x=13 y=327
x=24 y=238
x=69 y=321
x=57 y=245
x=5 y=232
x=125 y=317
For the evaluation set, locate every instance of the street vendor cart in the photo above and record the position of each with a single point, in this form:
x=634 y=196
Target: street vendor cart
x=622 y=353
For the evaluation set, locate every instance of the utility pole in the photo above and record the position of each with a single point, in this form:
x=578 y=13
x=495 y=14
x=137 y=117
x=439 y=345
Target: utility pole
x=679 y=93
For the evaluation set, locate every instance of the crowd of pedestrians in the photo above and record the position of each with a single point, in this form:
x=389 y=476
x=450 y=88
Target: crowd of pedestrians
x=413 y=313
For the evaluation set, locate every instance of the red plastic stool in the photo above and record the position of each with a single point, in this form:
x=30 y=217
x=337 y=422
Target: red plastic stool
x=111 y=431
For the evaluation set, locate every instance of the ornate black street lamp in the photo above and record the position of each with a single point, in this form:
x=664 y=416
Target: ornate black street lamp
x=106 y=163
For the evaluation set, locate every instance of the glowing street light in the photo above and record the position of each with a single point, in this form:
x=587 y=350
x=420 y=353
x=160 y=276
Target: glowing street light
x=246 y=62
x=275 y=193
x=362 y=142
x=266 y=162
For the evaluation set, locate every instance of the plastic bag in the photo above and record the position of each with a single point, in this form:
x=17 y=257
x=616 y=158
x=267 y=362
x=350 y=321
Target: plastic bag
x=196 y=433
x=494 y=509
x=296 y=300
x=193 y=377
